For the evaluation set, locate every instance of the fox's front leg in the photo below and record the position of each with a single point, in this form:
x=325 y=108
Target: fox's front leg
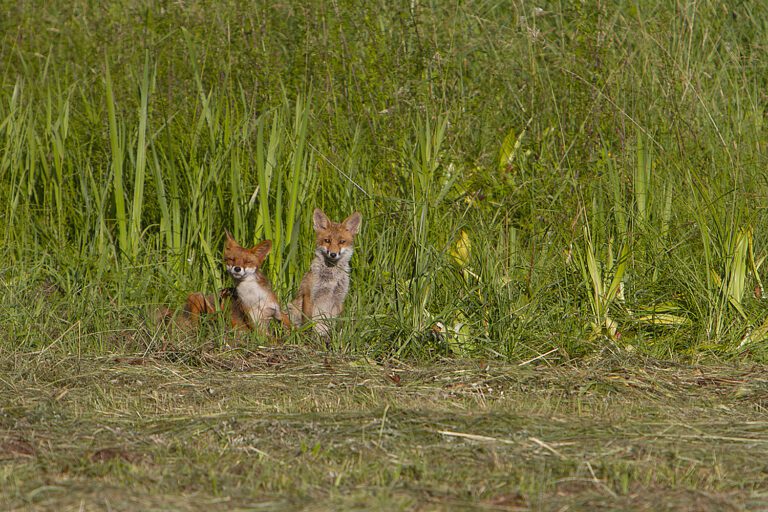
x=282 y=317
x=306 y=307
x=285 y=319
x=261 y=327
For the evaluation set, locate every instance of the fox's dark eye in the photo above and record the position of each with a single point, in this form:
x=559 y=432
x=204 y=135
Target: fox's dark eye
x=342 y=242
x=327 y=240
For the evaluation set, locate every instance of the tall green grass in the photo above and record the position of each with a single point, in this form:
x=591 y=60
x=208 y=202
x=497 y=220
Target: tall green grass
x=532 y=179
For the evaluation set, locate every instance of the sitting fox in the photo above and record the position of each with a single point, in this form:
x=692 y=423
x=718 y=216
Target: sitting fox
x=323 y=289
x=251 y=302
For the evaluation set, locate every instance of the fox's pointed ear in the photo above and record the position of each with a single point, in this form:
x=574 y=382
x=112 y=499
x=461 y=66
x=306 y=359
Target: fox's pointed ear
x=352 y=223
x=230 y=243
x=261 y=250
x=320 y=220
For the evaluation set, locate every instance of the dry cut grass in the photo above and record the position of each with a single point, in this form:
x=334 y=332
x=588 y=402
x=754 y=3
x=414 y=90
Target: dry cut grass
x=290 y=428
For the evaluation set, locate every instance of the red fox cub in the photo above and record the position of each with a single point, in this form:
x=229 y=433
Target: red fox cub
x=323 y=289
x=252 y=302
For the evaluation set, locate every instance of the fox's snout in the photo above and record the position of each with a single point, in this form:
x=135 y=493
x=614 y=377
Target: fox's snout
x=333 y=253
x=238 y=272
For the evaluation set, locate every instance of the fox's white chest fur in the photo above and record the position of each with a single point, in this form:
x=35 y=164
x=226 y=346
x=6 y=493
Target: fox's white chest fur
x=330 y=287
x=257 y=301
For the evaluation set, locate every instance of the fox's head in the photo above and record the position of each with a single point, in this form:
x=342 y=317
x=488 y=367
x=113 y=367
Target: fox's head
x=241 y=262
x=335 y=240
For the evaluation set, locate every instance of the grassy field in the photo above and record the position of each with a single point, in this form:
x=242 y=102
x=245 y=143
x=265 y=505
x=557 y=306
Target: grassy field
x=577 y=187
x=287 y=429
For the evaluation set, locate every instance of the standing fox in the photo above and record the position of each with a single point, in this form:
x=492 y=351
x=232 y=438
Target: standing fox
x=252 y=302
x=323 y=289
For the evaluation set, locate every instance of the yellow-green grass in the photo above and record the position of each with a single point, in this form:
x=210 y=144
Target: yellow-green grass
x=291 y=428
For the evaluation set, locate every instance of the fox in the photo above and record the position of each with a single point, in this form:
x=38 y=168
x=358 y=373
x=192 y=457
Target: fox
x=325 y=286
x=251 y=302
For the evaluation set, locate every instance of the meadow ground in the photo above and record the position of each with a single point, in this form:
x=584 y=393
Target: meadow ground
x=557 y=296
x=286 y=428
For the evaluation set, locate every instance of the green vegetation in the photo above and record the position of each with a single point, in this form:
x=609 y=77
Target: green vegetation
x=555 y=184
x=605 y=166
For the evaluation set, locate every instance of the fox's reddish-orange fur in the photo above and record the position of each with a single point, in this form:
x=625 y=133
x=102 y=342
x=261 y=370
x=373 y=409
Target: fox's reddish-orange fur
x=325 y=286
x=250 y=304
x=199 y=305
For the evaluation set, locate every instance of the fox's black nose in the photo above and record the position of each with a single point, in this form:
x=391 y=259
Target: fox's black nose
x=332 y=255
x=237 y=269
